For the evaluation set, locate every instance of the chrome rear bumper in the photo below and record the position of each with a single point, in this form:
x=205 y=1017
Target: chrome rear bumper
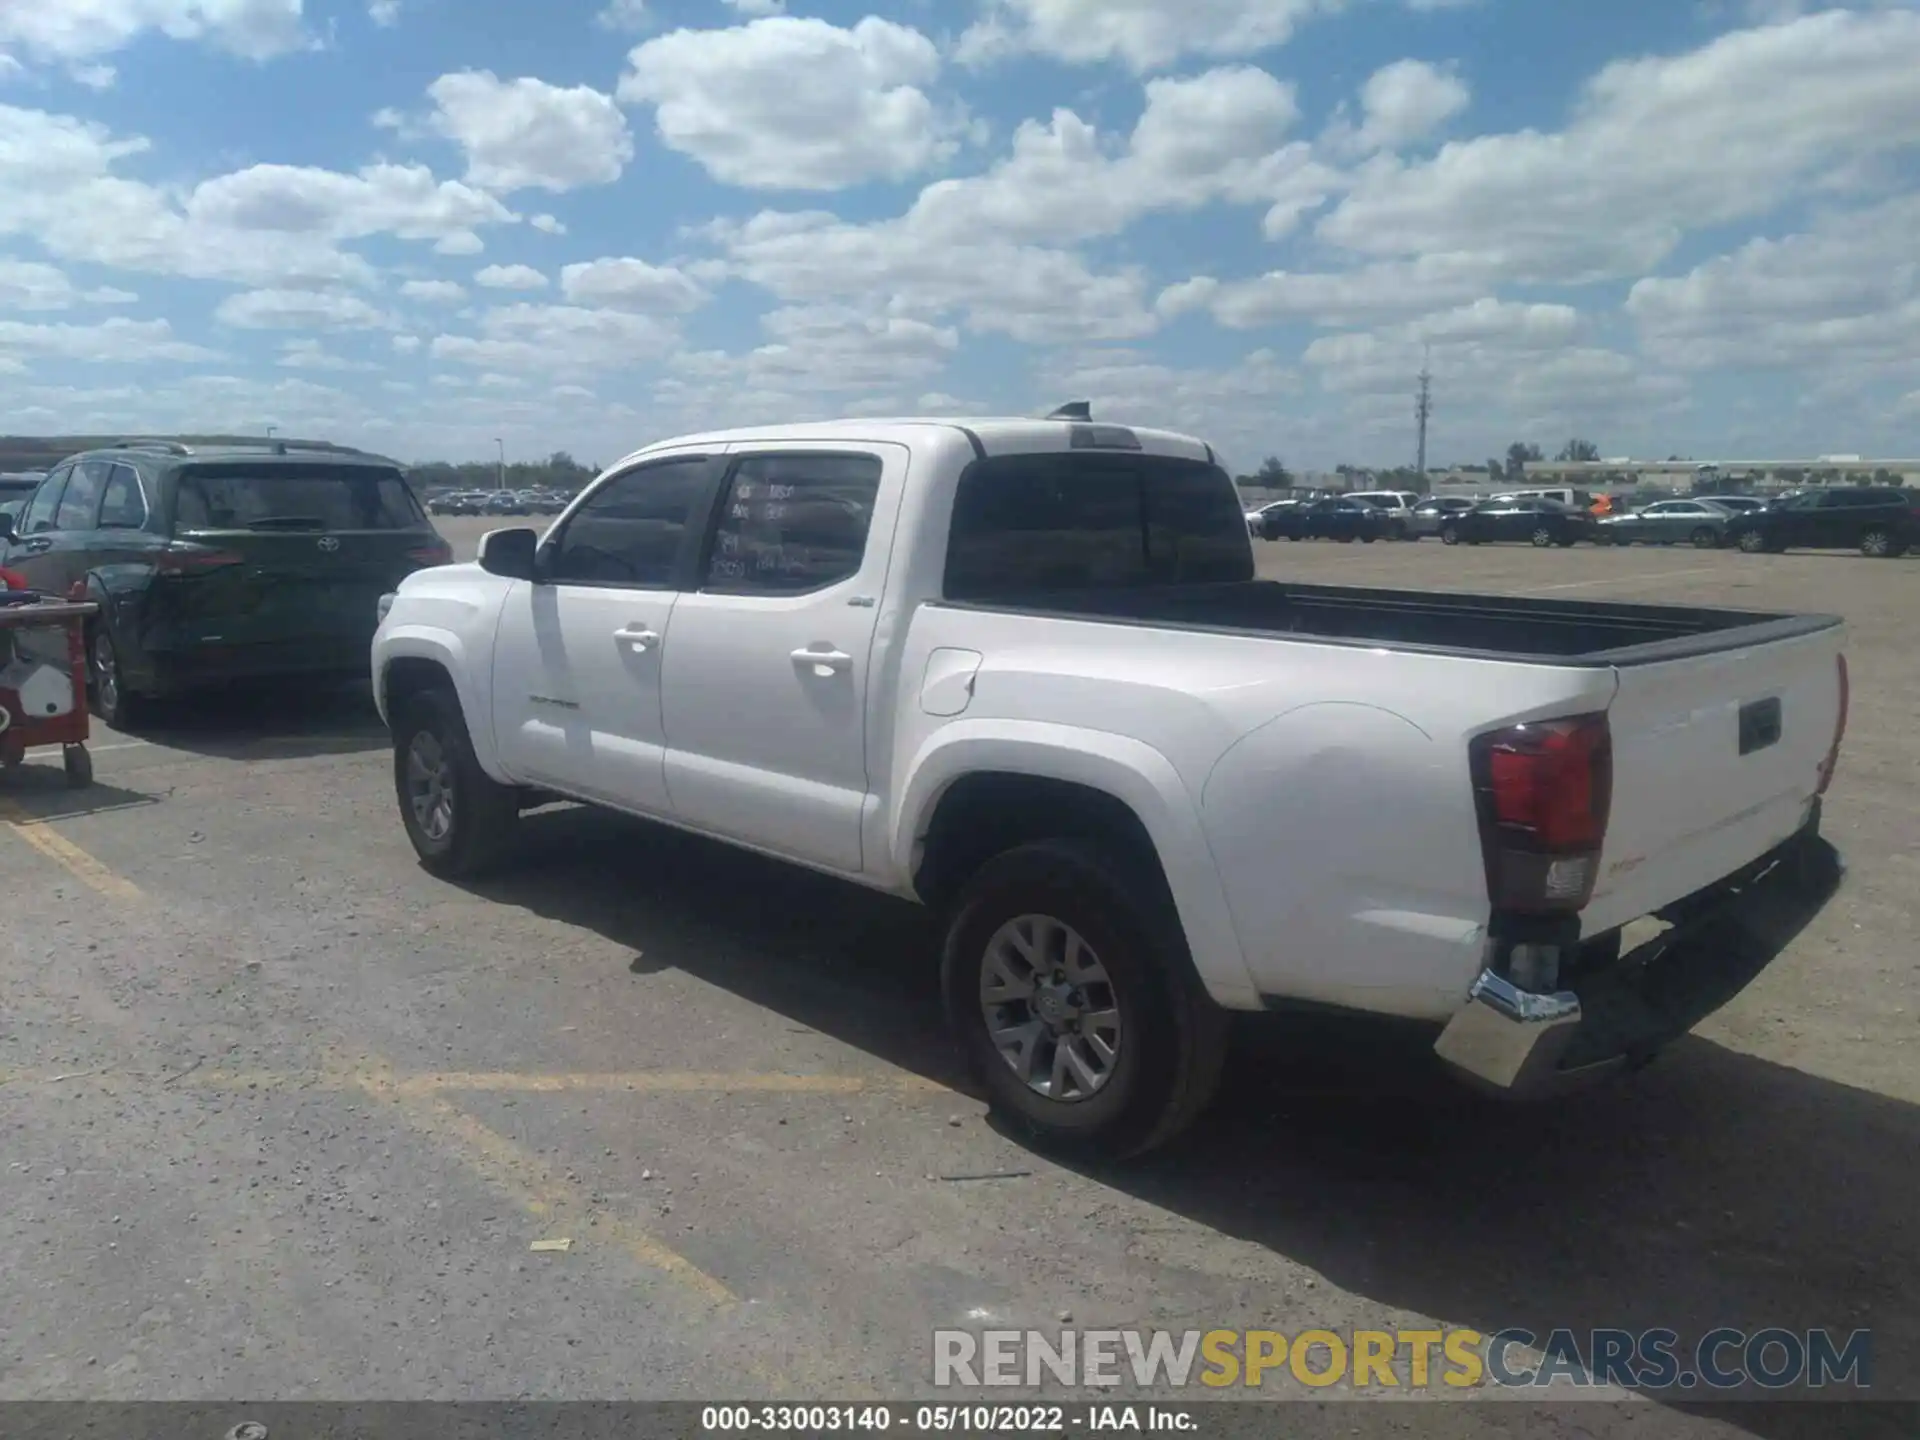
x=1525 y=1043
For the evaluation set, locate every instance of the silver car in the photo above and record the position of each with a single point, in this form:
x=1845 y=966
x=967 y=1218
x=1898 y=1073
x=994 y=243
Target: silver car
x=1699 y=523
x=1429 y=515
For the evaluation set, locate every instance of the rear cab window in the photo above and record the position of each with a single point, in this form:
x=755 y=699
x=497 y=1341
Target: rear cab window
x=304 y=497
x=1076 y=520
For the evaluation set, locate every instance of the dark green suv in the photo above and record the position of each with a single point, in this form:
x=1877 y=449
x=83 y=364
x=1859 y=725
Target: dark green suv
x=221 y=563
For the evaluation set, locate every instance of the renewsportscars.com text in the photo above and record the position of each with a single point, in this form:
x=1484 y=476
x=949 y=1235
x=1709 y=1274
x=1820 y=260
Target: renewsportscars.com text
x=1722 y=1359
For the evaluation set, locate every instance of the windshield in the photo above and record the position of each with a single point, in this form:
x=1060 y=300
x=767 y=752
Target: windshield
x=294 y=497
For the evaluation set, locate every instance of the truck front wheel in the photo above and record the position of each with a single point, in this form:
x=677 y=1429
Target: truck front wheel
x=461 y=821
x=1071 y=995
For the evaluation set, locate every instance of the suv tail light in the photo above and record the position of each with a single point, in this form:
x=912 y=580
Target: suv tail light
x=1544 y=790
x=438 y=553
x=1828 y=765
x=183 y=557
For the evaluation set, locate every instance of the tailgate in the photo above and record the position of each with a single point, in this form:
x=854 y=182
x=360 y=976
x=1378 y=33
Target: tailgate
x=296 y=586
x=1715 y=760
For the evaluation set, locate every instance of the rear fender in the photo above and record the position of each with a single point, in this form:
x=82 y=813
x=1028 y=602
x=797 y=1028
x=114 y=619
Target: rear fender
x=1131 y=772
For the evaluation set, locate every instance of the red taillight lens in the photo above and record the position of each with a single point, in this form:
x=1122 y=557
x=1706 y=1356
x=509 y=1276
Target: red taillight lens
x=1544 y=791
x=438 y=553
x=183 y=558
x=1832 y=761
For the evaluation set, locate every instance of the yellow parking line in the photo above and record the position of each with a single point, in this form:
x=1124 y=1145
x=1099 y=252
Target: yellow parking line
x=63 y=852
x=686 y=1081
x=637 y=1082
x=529 y=1179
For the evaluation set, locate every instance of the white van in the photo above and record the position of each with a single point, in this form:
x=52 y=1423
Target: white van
x=1566 y=495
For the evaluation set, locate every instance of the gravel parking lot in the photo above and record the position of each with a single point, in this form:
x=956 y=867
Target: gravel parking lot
x=282 y=1115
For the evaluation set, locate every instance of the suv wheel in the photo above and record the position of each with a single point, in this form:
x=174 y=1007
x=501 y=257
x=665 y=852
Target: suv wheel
x=461 y=821
x=1752 y=542
x=1878 y=543
x=1449 y=535
x=1704 y=538
x=1071 y=995
x=113 y=704
x=1542 y=538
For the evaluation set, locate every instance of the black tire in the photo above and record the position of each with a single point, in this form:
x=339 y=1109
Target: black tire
x=1369 y=539
x=1172 y=1035
x=1449 y=535
x=1542 y=538
x=108 y=698
x=481 y=814
x=1878 y=543
x=1752 y=542
x=1705 y=538
x=78 y=762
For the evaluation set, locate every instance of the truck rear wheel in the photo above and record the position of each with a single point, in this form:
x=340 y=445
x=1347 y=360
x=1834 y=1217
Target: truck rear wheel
x=461 y=821
x=1072 y=997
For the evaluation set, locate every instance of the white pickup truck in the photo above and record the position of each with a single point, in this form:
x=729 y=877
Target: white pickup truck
x=1024 y=671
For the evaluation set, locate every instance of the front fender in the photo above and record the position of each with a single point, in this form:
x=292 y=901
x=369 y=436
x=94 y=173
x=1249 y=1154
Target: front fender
x=451 y=653
x=1132 y=772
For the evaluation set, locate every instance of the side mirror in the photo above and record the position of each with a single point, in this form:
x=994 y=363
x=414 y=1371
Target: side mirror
x=8 y=535
x=509 y=553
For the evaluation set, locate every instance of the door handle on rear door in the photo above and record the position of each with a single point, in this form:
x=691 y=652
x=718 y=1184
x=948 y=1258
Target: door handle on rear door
x=37 y=547
x=638 y=636
x=824 y=662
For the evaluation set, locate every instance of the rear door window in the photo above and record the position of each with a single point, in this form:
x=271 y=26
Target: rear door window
x=123 y=507
x=1027 y=523
x=80 y=505
x=294 y=497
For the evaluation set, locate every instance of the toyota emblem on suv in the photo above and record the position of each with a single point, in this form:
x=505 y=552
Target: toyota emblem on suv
x=328 y=543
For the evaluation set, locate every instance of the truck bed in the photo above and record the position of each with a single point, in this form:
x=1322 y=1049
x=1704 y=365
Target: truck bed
x=1556 y=632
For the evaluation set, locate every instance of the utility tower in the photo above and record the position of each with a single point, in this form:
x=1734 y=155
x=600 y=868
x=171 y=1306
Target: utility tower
x=1423 y=409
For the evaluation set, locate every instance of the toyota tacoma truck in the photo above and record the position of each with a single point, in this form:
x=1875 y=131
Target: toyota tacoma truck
x=1024 y=671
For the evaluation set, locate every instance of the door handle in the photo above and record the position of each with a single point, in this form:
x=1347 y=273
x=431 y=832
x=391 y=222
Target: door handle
x=36 y=547
x=638 y=636
x=824 y=662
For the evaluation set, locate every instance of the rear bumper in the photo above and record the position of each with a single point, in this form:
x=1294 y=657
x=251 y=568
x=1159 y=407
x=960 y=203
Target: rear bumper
x=1525 y=1044
x=173 y=670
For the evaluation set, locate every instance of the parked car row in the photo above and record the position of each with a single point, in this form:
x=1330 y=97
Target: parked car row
x=1876 y=520
x=498 y=502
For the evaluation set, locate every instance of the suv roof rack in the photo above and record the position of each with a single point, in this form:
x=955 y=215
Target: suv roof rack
x=171 y=447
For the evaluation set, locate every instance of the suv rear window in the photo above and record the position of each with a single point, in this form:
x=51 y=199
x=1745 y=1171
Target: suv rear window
x=294 y=497
x=1079 y=521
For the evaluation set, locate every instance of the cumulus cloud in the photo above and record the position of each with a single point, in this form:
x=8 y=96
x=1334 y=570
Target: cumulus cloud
x=434 y=292
x=82 y=29
x=1407 y=101
x=510 y=277
x=1142 y=34
x=115 y=341
x=627 y=15
x=786 y=103
x=298 y=310
x=557 y=339
x=526 y=134
x=628 y=284
x=1658 y=147
x=30 y=285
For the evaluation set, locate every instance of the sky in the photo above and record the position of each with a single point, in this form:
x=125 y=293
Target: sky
x=1682 y=227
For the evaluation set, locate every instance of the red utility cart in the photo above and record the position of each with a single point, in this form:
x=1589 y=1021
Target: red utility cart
x=43 y=682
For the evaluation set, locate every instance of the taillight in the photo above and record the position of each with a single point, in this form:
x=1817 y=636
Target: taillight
x=438 y=553
x=1544 y=790
x=182 y=557
x=1828 y=765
